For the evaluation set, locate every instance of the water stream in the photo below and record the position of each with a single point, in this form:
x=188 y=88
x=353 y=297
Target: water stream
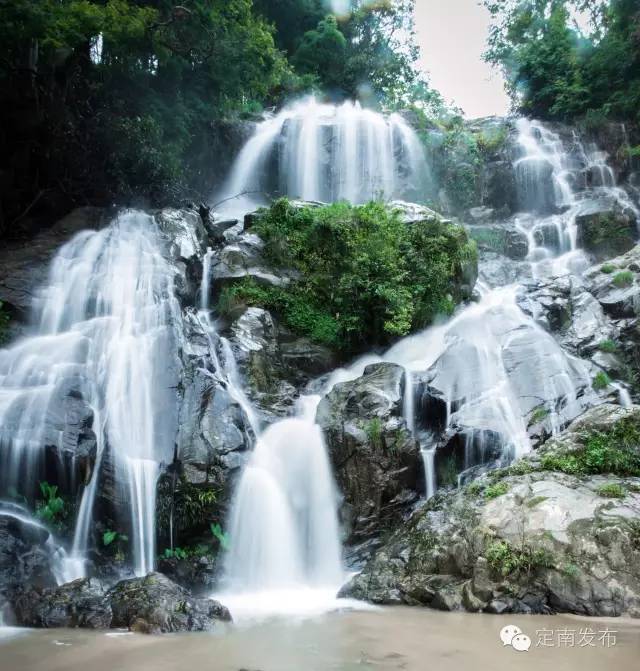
x=105 y=331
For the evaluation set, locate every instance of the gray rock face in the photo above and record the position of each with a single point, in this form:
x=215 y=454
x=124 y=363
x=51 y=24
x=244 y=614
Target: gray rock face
x=155 y=604
x=526 y=540
x=375 y=459
x=24 y=559
x=503 y=239
x=605 y=229
x=81 y=603
x=24 y=265
x=274 y=362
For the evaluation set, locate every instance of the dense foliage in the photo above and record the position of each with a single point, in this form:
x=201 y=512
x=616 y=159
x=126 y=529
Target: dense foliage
x=365 y=277
x=115 y=100
x=557 y=70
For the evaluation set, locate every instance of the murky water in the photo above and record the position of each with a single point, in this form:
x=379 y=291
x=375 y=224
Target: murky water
x=395 y=638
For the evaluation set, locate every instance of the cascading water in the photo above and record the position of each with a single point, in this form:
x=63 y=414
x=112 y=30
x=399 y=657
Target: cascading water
x=322 y=152
x=285 y=553
x=106 y=330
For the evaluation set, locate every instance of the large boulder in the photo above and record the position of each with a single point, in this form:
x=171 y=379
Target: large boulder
x=376 y=460
x=503 y=239
x=25 y=558
x=273 y=362
x=605 y=229
x=525 y=539
x=155 y=604
x=81 y=603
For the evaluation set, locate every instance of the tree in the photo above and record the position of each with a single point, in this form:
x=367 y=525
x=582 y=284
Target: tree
x=555 y=70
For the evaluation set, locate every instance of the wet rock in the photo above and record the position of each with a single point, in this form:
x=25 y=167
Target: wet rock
x=502 y=239
x=24 y=265
x=606 y=230
x=526 y=540
x=24 y=558
x=375 y=459
x=199 y=575
x=273 y=361
x=81 y=603
x=154 y=604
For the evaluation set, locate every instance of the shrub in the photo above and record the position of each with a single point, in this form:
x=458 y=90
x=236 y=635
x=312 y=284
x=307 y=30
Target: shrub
x=507 y=560
x=623 y=279
x=613 y=451
x=601 y=381
x=607 y=268
x=498 y=489
x=612 y=490
x=366 y=278
x=608 y=346
x=52 y=508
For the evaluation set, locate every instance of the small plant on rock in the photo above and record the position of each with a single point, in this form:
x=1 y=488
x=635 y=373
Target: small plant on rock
x=607 y=346
x=607 y=268
x=612 y=490
x=601 y=381
x=52 y=508
x=496 y=490
x=623 y=279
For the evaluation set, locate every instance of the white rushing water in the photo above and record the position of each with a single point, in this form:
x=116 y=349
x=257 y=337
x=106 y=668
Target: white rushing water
x=321 y=152
x=491 y=365
x=106 y=325
x=285 y=552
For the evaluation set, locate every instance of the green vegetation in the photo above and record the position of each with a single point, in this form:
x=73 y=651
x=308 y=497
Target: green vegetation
x=612 y=490
x=115 y=543
x=496 y=490
x=113 y=100
x=556 y=71
x=607 y=346
x=365 y=277
x=508 y=560
x=474 y=489
x=374 y=431
x=4 y=325
x=536 y=500
x=539 y=415
x=221 y=536
x=447 y=472
x=601 y=381
x=52 y=508
x=607 y=268
x=623 y=279
x=614 y=451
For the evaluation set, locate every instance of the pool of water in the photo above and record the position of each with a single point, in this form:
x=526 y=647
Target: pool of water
x=391 y=638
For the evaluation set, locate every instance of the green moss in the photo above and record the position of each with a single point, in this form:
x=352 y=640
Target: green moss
x=536 y=500
x=608 y=346
x=613 y=451
x=474 y=489
x=496 y=490
x=447 y=472
x=491 y=140
x=4 y=325
x=612 y=490
x=607 y=268
x=601 y=381
x=539 y=415
x=623 y=279
x=365 y=277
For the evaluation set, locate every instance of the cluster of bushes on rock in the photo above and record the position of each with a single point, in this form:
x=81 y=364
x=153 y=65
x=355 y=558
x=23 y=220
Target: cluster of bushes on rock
x=365 y=277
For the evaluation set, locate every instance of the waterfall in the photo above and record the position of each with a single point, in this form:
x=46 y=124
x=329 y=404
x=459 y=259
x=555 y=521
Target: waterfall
x=105 y=332
x=285 y=548
x=322 y=152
